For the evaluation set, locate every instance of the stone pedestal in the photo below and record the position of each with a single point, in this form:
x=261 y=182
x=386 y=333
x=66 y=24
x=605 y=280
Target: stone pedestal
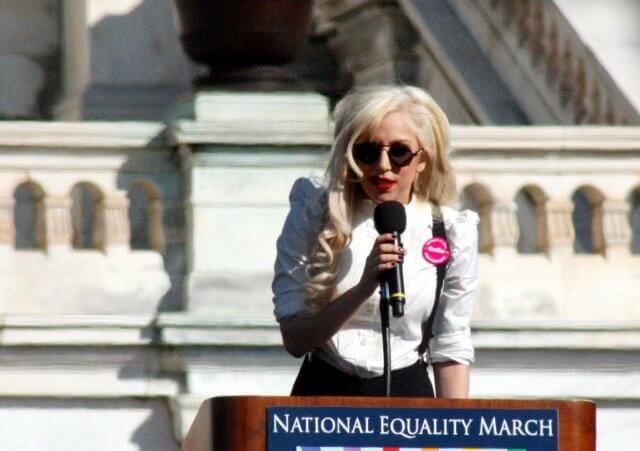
x=243 y=152
x=244 y=108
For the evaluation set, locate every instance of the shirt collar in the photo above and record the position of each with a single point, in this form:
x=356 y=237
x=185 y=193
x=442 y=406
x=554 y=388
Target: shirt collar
x=417 y=210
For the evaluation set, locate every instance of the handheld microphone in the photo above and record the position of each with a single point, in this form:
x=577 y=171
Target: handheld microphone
x=390 y=217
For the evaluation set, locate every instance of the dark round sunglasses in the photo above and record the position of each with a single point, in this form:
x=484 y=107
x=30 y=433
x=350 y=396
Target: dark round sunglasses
x=369 y=152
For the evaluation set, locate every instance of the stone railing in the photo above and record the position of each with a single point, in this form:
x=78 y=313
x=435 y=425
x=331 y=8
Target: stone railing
x=89 y=208
x=570 y=85
x=54 y=176
x=569 y=177
x=51 y=184
x=556 y=205
x=89 y=194
x=527 y=53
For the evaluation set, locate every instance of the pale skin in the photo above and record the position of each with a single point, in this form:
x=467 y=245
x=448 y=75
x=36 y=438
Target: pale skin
x=303 y=333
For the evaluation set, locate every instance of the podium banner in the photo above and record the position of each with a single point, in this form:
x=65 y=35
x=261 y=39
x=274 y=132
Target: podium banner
x=410 y=429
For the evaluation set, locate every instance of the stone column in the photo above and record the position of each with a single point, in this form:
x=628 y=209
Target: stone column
x=504 y=227
x=28 y=55
x=74 y=60
x=58 y=224
x=116 y=223
x=559 y=226
x=7 y=228
x=615 y=226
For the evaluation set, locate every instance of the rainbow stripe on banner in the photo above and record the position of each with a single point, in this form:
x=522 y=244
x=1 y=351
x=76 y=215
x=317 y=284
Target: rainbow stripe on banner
x=349 y=448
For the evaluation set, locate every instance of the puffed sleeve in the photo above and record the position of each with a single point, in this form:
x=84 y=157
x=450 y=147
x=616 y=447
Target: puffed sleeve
x=300 y=230
x=452 y=324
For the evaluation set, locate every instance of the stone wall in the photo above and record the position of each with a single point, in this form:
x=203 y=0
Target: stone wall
x=74 y=195
x=80 y=323
x=94 y=211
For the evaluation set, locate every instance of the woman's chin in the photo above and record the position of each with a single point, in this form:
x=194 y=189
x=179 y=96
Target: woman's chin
x=379 y=196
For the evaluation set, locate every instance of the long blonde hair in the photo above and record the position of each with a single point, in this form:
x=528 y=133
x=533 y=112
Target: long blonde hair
x=358 y=114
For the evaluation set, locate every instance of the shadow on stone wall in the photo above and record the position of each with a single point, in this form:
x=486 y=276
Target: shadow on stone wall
x=137 y=65
x=158 y=219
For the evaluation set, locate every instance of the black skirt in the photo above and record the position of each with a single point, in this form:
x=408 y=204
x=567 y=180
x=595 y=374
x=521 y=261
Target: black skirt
x=319 y=378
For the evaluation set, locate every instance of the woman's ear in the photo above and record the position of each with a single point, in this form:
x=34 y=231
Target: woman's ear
x=424 y=160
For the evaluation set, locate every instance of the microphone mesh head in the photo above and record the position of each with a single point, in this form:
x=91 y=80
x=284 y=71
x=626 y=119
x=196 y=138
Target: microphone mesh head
x=390 y=217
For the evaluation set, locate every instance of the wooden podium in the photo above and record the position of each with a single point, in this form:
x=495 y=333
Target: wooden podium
x=241 y=423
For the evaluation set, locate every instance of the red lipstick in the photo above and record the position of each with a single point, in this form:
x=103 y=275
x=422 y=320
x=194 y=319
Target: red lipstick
x=382 y=184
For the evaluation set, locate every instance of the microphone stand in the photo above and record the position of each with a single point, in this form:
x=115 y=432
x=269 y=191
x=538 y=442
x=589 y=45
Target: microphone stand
x=386 y=347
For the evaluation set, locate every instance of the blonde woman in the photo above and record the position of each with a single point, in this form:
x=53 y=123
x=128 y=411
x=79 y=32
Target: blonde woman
x=390 y=143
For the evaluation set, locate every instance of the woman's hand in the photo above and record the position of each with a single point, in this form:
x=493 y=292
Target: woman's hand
x=303 y=333
x=384 y=255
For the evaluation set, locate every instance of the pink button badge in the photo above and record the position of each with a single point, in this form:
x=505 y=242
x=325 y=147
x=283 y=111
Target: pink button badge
x=436 y=251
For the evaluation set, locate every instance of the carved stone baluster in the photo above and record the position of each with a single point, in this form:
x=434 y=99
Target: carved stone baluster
x=58 y=225
x=580 y=93
x=597 y=227
x=615 y=226
x=485 y=239
x=537 y=39
x=504 y=223
x=116 y=222
x=559 y=225
x=7 y=227
x=595 y=110
x=553 y=56
x=566 y=76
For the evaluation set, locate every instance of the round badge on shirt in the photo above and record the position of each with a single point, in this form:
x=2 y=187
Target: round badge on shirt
x=436 y=251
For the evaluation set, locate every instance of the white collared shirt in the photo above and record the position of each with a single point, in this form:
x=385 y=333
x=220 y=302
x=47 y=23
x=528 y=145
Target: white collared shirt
x=357 y=347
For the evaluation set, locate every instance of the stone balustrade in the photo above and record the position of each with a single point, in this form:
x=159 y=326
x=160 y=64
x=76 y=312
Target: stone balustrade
x=82 y=213
x=550 y=59
x=494 y=165
x=573 y=181
x=552 y=197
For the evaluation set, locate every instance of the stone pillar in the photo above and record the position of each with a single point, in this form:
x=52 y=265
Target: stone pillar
x=615 y=226
x=28 y=47
x=58 y=224
x=7 y=229
x=116 y=223
x=559 y=226
x=231 y=227
x=504 y=227
x=74 y=60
